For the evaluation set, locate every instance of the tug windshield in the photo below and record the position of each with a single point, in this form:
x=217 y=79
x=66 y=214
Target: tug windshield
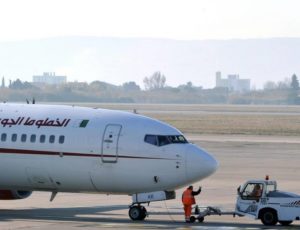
x=270 y=188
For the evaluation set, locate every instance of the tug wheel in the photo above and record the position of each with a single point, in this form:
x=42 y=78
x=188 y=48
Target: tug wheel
x=200 y=219
x=269 y=217
x=192 y=219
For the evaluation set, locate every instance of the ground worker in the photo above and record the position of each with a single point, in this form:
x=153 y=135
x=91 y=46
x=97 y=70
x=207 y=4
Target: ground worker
x=257 y=191
x=188 y=200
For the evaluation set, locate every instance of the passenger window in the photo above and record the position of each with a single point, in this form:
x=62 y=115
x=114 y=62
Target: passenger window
x=14 y=137
x=42 y=138
x=32 y=138
x=151 y=139
x=61 y=139
x=52 y=139
x=23 y=137
x=3 y=137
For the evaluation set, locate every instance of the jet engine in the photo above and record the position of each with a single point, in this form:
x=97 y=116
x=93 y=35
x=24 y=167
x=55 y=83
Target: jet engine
x=14 y=194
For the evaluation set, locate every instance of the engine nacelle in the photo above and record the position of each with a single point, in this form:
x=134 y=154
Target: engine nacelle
x=14 y=194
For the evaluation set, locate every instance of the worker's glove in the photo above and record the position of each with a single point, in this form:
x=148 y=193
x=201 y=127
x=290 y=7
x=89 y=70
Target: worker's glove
x=200 y=188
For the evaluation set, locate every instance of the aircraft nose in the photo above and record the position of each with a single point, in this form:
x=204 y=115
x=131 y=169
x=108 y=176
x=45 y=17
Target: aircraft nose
x=200 y=164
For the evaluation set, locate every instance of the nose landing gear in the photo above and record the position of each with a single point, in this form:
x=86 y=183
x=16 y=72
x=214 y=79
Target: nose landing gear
x=137 y=212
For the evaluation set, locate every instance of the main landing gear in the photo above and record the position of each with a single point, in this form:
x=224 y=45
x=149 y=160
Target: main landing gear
x=137 y=212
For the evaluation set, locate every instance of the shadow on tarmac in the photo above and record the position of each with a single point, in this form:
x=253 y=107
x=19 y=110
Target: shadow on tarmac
x=100 y=215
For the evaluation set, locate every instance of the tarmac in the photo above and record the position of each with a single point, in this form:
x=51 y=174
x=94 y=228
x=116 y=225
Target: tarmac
x=240 y=157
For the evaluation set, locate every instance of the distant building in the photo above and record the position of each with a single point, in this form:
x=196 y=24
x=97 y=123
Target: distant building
x=233 y=82
x=49 y=78
x=3 y=83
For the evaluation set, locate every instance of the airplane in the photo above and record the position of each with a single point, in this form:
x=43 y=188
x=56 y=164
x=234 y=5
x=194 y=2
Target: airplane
x=60 y=148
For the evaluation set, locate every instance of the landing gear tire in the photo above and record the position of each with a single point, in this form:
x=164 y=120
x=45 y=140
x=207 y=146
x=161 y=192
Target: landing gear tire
x=269 y=217
x=285 y=223
x=144 y=212
x=137 y=212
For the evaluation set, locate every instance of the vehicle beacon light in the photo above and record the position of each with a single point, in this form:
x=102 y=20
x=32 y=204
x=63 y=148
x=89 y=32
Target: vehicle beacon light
x=267 y=177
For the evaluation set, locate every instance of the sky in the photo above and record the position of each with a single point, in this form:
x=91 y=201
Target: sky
x=172 y=19
x=176 y=19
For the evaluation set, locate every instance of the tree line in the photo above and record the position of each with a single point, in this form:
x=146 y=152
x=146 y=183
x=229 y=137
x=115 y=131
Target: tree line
x=156 y=91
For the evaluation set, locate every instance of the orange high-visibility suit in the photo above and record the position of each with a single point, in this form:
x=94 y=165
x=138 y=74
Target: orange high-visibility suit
x=188 y=200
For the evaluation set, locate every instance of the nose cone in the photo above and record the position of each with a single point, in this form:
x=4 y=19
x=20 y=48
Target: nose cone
x=200 y=164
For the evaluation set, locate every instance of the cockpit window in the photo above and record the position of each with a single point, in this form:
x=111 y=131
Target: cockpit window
x=177 y=139
x=161 y=140
x=151 y=139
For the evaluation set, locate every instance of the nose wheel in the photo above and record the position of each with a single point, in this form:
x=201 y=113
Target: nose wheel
x=137 y=212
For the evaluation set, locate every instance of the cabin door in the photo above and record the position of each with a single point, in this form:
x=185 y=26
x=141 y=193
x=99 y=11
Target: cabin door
x=110 y=141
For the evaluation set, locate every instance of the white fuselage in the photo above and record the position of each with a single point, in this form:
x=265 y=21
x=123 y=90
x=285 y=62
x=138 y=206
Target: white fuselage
x=75 y=149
